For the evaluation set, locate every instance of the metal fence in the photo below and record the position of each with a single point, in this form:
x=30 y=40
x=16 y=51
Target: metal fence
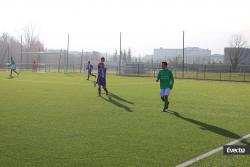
x=200 y=72
x=191 y=71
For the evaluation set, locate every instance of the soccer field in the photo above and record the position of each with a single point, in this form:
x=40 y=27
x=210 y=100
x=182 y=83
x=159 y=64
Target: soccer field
x=57 y=120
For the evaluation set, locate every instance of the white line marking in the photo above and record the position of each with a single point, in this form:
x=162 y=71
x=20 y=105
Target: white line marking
x=196 y=159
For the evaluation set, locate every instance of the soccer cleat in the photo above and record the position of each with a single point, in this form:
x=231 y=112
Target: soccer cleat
x=164 y=110
x=166 y=106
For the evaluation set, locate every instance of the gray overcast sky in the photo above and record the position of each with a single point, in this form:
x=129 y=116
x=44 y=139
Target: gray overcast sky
x=146 y=24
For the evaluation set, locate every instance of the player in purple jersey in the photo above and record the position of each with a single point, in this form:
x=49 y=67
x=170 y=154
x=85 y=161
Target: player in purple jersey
x=90 y=68
x=101 y=79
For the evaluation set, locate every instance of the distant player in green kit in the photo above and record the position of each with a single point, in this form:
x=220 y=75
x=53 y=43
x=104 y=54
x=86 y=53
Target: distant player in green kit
x=166 y=84
x=12 y=67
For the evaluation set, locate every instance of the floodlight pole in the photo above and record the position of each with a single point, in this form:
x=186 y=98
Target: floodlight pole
x=183 y=53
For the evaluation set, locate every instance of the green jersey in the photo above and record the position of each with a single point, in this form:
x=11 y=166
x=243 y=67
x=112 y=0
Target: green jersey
x=166 y=79
x=12 y=62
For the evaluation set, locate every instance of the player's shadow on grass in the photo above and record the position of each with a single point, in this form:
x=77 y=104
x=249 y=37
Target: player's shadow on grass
x=12 y=77
x=116 y=103
x=212 y=128
x=120 y=98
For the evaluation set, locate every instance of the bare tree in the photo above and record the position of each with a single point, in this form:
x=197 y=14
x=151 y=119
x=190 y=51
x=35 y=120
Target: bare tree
x=32 y=43
x=31 y=39
x=115 y=57
x=124 y=57
x=3 y=47
x=129 y=57
x=236 y=52
x=9 y=46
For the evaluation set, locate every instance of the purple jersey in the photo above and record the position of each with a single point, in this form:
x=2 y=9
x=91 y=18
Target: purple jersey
x=89 y=67
x=101 y=76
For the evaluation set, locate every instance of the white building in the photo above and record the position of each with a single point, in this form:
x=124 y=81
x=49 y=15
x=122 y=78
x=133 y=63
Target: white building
x=192 y=55
x=217 y=59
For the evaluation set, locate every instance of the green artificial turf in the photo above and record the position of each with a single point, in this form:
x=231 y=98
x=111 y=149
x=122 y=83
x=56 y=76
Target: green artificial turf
x=56 y=119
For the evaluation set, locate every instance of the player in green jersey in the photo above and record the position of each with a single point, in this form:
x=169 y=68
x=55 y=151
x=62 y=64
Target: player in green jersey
x=166 y=84
x=12 y=67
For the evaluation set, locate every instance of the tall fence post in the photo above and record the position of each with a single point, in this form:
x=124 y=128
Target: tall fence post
x=230 y=71
x=204 y=77
x=59 y=62
x=138 y=69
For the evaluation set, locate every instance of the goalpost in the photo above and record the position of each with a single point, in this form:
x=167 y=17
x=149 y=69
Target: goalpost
x=42 y=61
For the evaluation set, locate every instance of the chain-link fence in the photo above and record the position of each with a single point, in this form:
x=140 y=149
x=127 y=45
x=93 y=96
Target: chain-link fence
x=213 y=72
x=191 y=71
